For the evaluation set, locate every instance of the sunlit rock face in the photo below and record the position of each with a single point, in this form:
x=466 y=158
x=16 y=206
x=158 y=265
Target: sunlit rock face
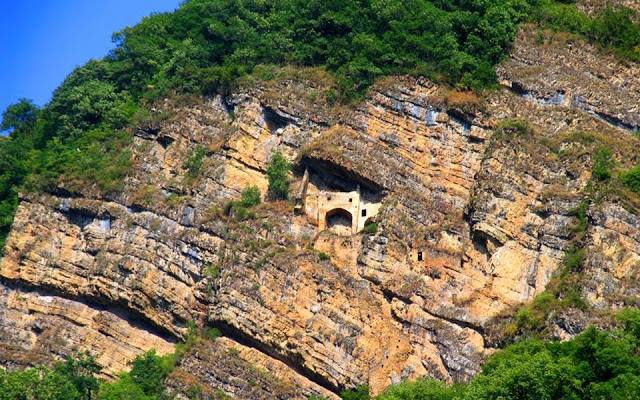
x=469 y=226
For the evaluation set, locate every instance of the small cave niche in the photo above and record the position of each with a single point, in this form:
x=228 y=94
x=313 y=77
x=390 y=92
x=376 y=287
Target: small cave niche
x=484 y=243
x=275 y=121
x=165 y=141
x=227 y=104
x=78 y=219
x=420 y=256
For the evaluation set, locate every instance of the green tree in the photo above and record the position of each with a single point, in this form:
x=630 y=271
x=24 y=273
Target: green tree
x=19 y=116
x=81 y=372
x=72 y=379
x=278 y=174
x=149 y=371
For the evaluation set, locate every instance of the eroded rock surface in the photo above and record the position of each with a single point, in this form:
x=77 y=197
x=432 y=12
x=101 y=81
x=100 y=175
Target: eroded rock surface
x=554 y=70
x=471 y=225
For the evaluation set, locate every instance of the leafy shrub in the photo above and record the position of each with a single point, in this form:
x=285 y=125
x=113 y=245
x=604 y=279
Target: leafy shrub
x=211 y=333
x=322 y=256
x=241 y=209
x=195 y=160
x=149 y=371
x=370 y=228
x=250 y=197
x=602 y=164
x=511 y=128
x=211 y=271
x=573 y=259
x=73 y=379
x=422 y=389
x=145 y=381
x=358 y=393
x=580 y=212
x=532 y=317
x=631 y=179
x=278 y=174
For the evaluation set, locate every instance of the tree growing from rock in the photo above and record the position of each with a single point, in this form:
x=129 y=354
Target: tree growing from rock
x=278 y=174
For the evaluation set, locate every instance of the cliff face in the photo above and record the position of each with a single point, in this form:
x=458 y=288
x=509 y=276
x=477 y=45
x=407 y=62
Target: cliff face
x=472 y=225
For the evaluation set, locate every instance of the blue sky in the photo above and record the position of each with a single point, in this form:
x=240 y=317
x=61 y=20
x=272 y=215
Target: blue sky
x=42 y=41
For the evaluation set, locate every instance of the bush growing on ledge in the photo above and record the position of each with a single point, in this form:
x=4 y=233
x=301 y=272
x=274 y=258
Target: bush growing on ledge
x=513 y=128
x=602 y=164
x=250 y=197
x=195 y=160
x=241 y=209
x=631 y=179
x=370 y=229
x=359 y=393
x=278 y=174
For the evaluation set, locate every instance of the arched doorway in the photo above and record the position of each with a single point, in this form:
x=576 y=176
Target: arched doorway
x=339 y=221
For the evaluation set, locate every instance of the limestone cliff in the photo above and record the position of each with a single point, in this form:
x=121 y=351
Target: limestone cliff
x=474 y=221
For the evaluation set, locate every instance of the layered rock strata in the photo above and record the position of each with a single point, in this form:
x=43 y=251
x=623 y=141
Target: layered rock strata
x=472 y=224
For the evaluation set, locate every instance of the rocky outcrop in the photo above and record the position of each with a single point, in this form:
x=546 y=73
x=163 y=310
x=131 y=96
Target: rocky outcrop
x=593 y=7
x=554 y=70
x=472 y=224
x=215 y=370
x=37 y=327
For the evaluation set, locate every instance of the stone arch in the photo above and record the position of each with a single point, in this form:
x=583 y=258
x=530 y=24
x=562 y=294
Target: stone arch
x=339 y=220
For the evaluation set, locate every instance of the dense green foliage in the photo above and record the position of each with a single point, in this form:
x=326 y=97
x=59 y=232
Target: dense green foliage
x=72 y=379
x=612 y=29
x=145 y=380
x=206 y=44
x=278 y=174
x=631 y=179
x=75 y=378
x=595 y=365
x=370 y=228
x=250 y=197
x=358 y=393
x=602 y=164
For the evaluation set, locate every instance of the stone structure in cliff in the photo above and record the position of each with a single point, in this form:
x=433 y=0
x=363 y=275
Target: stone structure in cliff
x=343 y=212
x=470 y=226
